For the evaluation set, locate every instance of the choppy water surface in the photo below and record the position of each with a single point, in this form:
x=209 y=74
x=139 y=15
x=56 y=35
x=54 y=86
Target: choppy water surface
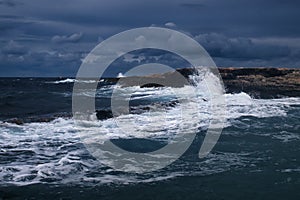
x=257 y=155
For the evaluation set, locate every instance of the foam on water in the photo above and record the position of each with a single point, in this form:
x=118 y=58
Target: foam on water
x=53 y=151
x=72 y=80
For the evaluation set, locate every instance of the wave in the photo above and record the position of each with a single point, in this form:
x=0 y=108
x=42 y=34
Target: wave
x=55 y=154
x=52 y=151
x=70 y=80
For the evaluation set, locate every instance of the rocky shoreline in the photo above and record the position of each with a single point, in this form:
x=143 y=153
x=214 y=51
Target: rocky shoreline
x=258 y=82
x=262 y=82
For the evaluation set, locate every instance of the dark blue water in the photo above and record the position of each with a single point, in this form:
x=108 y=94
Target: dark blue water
x=43 y=157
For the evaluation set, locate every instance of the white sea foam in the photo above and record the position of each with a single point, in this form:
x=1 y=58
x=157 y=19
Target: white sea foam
x=53 y=151
x=71 y=80
x=68 y=80
x=55 y=144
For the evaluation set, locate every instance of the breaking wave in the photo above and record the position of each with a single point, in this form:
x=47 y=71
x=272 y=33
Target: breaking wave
x=52 y=152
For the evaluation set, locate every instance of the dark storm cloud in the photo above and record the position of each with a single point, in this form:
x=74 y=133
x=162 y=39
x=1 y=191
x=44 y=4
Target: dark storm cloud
x=41 y=63
x=242 y=48
x=42 y=37
x=193 y=5
x=10 y=3
x=14 y=48
x=11 y=23
x=145 y=56
x=245 y=18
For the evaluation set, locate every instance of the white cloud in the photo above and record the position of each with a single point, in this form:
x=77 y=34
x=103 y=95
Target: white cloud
x=170 y=24
x=67 y=39
x=131 y=58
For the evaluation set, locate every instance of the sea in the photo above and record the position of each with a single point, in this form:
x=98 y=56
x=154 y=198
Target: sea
x=42 y=155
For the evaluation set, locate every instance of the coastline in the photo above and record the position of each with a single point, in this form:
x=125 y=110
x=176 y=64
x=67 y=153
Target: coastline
x=262 y=82
x=257 y=82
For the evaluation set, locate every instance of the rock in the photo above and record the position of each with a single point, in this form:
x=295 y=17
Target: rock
x=258 y=82
x=104 y=114
x=151 y=85
x=262 y=82
x=15 y=121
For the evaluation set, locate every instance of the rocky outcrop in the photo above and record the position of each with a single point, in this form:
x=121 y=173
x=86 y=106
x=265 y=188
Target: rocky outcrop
x=258 y=82
x=262 y=82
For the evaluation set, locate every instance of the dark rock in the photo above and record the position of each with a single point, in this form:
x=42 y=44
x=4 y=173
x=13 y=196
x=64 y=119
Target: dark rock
x=15 y=121
x=262 y=82
x=104 y=114
x=151 y=85
x=258 y=82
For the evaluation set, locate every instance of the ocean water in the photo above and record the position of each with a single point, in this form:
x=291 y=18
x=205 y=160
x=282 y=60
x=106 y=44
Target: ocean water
x=43 y=157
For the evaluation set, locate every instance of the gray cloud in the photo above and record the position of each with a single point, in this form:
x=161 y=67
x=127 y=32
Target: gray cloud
x=10 y=3
x=240 y=48
x=13 y=48
x=42 y=37
x=40 y=63
x=193 y=5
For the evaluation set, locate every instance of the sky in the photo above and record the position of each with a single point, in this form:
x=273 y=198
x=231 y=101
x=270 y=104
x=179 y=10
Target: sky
x=51 y=38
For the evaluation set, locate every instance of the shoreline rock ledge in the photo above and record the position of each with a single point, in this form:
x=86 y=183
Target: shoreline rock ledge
x=257 y=82
x=262 y=82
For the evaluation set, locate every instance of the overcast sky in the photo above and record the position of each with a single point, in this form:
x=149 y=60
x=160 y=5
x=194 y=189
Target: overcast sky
x=50 y=38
